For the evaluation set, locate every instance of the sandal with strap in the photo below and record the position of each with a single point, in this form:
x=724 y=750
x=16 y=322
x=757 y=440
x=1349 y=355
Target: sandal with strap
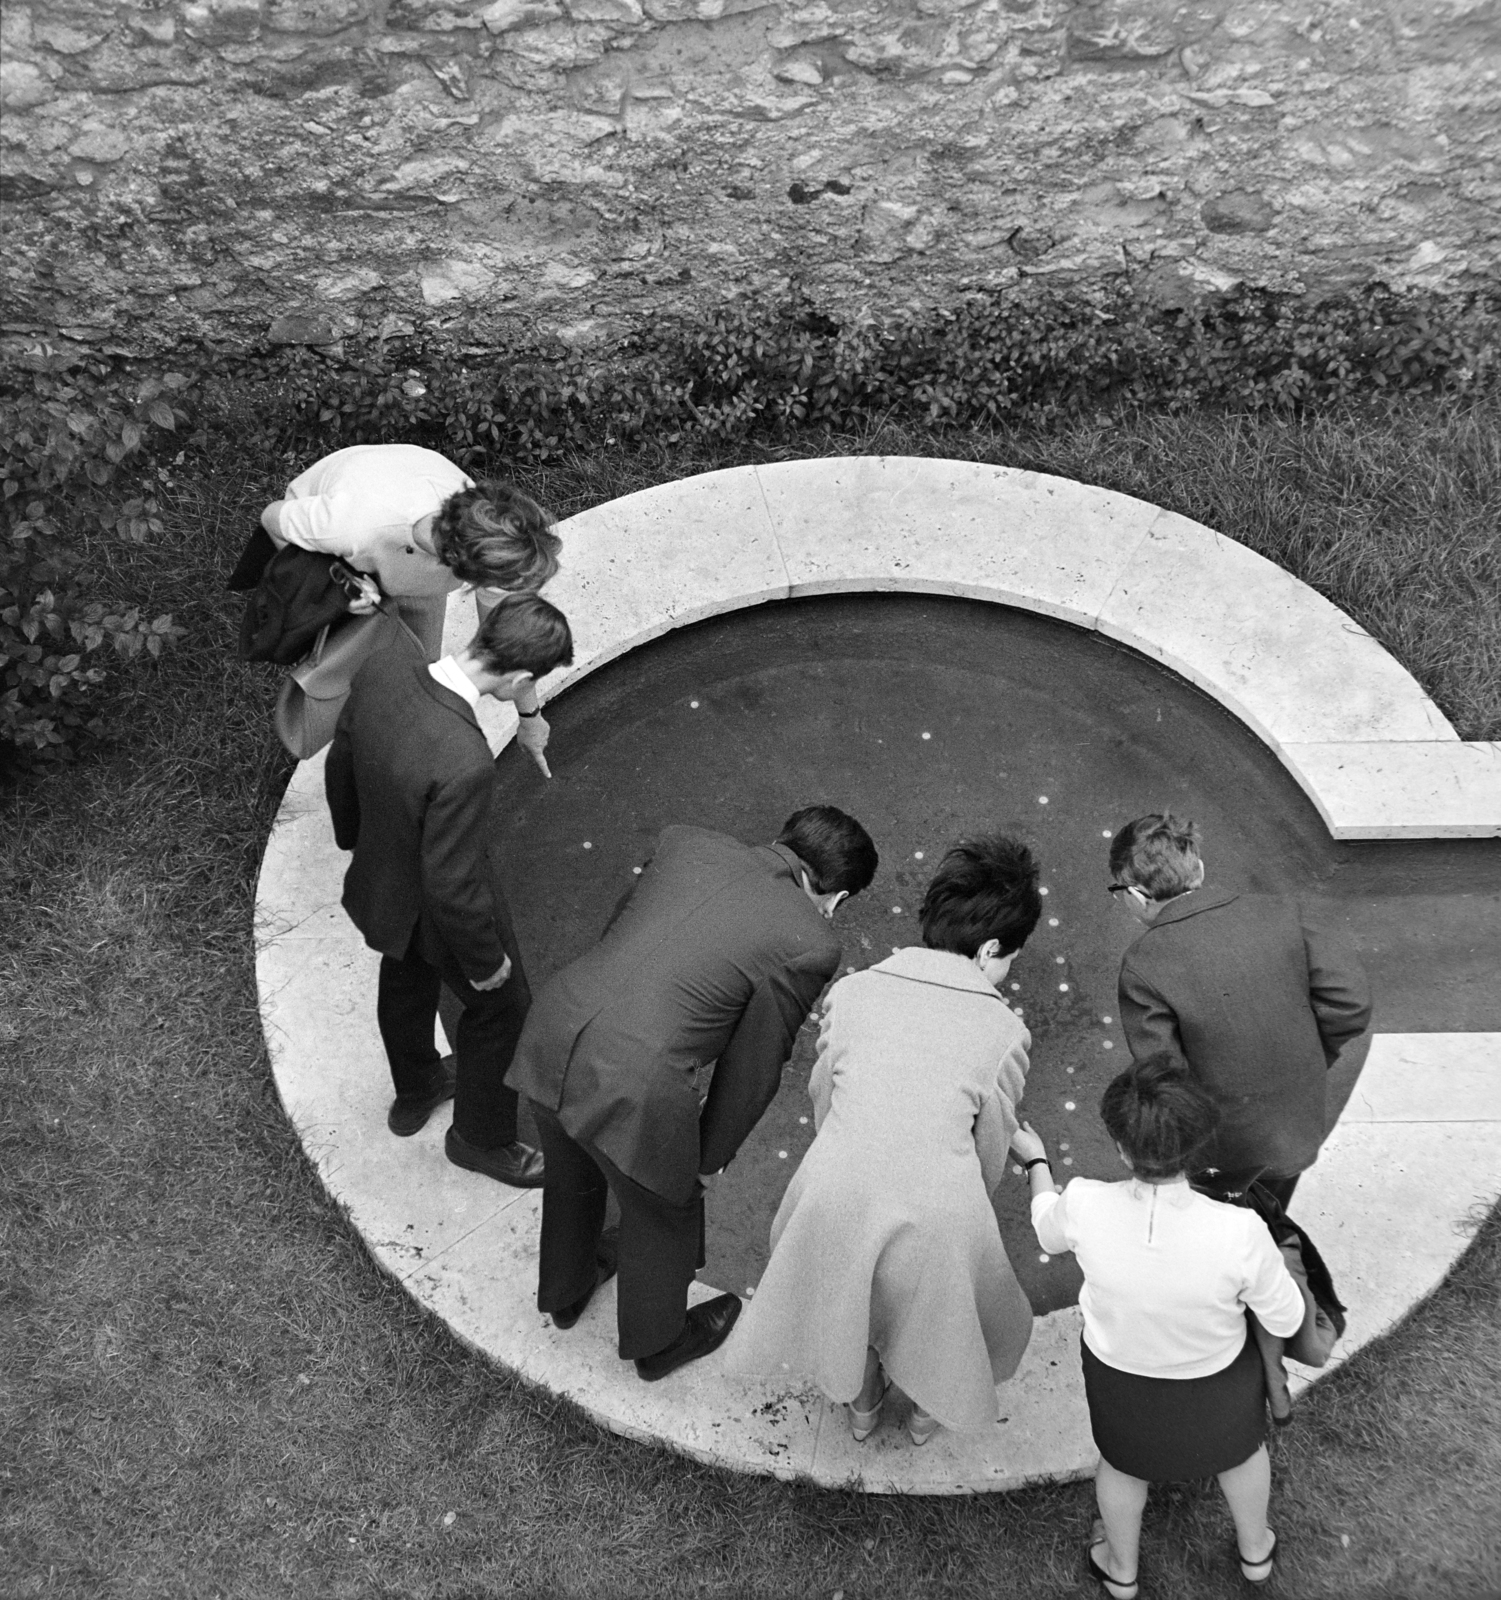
x=1258 y=1571
x=1112 y=1586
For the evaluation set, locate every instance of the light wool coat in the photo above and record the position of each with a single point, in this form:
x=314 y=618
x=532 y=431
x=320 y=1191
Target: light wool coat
x=886 y=1235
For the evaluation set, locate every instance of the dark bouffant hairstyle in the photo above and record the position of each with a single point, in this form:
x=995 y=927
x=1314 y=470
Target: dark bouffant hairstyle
x=985 y=888
x=1158 y=1115
x=1159 y=853
x=495 y=536
x=524 y=633
x=837 y=851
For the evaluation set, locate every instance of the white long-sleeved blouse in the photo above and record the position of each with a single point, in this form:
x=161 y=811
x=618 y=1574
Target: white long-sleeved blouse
x=1168 y=1274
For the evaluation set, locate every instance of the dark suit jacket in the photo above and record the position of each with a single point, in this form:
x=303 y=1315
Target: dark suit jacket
x=410 y=782
x=717 y=956
x=1260 y=1002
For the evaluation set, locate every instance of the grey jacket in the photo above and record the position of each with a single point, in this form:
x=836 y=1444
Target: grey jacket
x=716 y=957
x=411 y=785
x=1260 y=1001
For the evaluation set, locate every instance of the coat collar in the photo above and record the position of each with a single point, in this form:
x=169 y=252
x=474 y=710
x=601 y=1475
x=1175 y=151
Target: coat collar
x=786 y=863
x=941 y=968
x=445 y=697
x=1192 y=903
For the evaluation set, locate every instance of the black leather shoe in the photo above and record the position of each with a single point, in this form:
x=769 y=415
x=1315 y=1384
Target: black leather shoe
x=604 y=1270
x=516 y=1164
x=707 y=1327
x=409 y=1112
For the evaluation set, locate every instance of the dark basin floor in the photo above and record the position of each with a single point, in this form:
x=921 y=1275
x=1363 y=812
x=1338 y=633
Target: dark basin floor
x=928 y=718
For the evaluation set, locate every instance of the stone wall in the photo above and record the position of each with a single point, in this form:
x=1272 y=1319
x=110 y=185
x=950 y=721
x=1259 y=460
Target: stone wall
x=178 y=170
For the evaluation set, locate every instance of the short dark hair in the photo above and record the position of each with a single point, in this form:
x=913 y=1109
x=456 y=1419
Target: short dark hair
x=497 y=537
x=524 y=633
x=1158 y=852
x=836 y=850
x=985 y=888
x=1159 y=1115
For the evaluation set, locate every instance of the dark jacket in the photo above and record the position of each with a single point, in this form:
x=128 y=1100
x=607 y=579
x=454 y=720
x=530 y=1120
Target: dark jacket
x=1260 y=1002
x=410 y=782
x=716 y=957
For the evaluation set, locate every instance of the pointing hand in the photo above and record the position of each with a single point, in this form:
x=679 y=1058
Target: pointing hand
x=532 y=735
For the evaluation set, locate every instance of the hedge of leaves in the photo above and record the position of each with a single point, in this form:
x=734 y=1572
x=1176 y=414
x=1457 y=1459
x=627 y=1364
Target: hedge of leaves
x=755 y=373
x=68 y=446
x=74 y=442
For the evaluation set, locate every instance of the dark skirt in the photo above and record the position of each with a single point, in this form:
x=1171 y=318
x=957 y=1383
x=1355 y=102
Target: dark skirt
x=1169 y=1429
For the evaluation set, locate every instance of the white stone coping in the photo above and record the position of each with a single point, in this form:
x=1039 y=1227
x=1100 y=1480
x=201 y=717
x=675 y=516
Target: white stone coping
x=1414 y=1153
x=1372 y=752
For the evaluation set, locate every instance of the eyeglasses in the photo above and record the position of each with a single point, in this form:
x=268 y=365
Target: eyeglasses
x=1127 y=888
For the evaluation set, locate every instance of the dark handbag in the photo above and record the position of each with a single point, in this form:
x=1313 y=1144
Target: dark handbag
x=252 y=562
x=1323 y=1313
x=313 y=695
x=1311 y=1344
x=298 y=595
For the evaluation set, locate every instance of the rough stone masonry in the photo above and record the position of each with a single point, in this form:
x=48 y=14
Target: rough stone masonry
x=225 y=170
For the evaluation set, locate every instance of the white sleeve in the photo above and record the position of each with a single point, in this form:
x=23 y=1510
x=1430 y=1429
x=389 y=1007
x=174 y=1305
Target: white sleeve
x=994 y=1126
x=324 y=522
x=1011 y=1074
x=821 y=1079
x=1050 y=1221
x=1270 y=1289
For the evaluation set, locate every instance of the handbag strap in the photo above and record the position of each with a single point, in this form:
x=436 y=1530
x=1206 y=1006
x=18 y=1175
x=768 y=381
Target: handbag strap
x=387 y=608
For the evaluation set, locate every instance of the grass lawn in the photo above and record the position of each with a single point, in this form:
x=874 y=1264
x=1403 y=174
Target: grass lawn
x=207 y=1387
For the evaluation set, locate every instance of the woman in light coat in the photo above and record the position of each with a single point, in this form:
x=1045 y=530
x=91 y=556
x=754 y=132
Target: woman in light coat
x=887 y=1264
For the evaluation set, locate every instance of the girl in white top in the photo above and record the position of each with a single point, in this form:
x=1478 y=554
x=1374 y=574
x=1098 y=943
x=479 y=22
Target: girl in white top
x=1168 y=1277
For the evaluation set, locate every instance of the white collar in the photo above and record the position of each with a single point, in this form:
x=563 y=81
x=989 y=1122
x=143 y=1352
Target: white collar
x=1174 y=1192
x=452 y=676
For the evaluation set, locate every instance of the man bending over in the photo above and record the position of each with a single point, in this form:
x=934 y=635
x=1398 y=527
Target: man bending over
x=713 y=961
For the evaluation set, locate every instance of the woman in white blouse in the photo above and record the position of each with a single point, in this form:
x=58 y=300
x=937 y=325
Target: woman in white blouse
x=1174 y=1384
x=421 y=528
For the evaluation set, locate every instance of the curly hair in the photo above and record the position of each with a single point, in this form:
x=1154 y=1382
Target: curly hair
x=985 y=888
x=1158 y=1114
x=495 y=536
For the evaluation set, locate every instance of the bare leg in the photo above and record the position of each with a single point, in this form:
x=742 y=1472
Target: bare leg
x=1122 y=1499
x=1247 y=1489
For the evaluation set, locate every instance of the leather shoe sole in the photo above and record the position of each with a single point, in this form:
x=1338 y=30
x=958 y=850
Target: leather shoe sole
x=409 y=1113
x=516 y=1164
x=707 y=1327
x=604 y=1270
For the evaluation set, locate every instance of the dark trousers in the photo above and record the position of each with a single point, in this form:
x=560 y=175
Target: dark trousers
x=661 y=1244
x=1236 y=1183
x=406 y=1006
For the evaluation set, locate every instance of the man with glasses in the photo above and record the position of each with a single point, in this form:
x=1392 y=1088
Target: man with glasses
x=1258 y=1000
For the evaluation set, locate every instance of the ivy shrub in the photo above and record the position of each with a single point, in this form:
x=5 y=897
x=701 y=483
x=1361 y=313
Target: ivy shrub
x=74 y=445
x=68 y=447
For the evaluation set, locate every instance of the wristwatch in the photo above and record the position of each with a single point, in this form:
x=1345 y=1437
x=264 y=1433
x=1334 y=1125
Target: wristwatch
x=536 y=713
x=1036 y=1161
